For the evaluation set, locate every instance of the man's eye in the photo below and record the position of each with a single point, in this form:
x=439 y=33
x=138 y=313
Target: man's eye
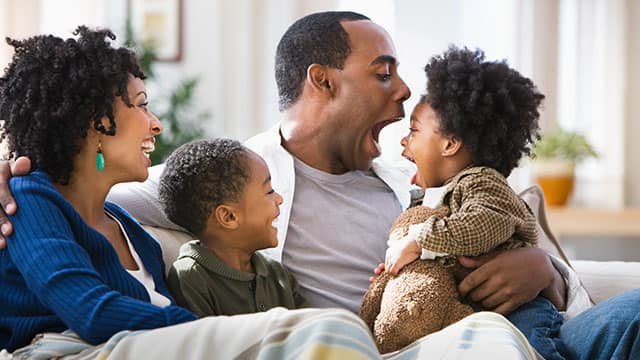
x=384 y=77
x=271 y=192
x=144 y=105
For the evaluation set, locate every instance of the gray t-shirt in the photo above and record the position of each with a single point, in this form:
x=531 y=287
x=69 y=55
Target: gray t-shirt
x=337 y=234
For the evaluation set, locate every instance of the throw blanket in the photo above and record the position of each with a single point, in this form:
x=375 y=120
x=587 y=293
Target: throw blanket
x=281 y=334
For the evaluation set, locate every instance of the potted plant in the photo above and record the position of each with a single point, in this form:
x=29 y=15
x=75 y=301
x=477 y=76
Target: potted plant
x=554 y=158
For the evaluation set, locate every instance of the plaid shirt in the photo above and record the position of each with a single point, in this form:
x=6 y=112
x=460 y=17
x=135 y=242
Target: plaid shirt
x=485 y=214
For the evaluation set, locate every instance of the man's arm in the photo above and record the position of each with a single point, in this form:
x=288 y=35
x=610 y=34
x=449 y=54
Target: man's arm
x=505 y=280
x=21 y=166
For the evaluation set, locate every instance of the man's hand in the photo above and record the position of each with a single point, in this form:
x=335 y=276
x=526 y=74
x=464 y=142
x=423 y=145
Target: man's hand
x=401 y=253
x=503 y=281
x=21 y=166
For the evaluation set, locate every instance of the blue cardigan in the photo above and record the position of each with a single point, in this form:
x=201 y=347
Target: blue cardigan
x=59 y=273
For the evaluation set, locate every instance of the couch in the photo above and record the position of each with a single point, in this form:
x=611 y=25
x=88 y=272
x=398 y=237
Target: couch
x=602 y=279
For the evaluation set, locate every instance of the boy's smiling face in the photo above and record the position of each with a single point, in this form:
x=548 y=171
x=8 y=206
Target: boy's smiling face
x=426 y=147
x=259 y=206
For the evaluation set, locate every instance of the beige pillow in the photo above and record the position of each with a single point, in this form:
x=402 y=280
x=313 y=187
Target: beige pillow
x=534 y=197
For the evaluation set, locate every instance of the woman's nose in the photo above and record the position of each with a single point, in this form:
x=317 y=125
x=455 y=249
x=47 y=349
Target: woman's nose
x=156 y=125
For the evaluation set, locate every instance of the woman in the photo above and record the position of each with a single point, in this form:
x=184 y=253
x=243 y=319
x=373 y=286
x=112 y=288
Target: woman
x=78 y=108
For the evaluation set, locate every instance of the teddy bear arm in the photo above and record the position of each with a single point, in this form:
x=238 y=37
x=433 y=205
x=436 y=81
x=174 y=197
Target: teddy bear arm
x=370 y=307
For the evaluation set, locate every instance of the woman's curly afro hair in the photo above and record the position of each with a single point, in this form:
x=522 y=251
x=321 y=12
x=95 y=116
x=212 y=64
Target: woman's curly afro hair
x=492 y=108
x=54 y=90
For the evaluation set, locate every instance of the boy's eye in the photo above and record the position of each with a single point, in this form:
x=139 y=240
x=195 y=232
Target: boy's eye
x=144 y=105
x=270 y=192
x=384 y=77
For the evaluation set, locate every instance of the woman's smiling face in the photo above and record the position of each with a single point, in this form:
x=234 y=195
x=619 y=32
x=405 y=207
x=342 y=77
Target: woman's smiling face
x=126 y=154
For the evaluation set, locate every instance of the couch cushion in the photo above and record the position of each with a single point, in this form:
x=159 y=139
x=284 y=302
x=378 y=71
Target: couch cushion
x=605 y=279
x=534 y=197
x=170 y=242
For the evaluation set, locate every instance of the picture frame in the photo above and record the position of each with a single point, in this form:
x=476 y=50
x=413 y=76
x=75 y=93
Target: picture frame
x=159 y=21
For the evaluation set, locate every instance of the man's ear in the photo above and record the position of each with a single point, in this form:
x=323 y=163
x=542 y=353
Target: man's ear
x=452 y=146
x=318 y=78
x=227 y=216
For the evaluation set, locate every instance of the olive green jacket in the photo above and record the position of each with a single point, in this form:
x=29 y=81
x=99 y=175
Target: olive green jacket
x=207 y=286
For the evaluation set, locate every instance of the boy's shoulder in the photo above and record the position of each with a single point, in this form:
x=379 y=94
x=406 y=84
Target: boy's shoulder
x=271 y=266
x=188 y=255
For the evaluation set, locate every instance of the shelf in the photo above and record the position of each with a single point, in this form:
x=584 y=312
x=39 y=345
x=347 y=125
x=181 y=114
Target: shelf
x=585 y=221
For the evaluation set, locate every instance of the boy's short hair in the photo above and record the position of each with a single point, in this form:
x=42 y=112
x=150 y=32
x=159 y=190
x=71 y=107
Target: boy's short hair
x=198 y=177
x=487 y=104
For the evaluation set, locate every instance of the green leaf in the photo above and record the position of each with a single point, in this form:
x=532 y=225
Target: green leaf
x=564 y=145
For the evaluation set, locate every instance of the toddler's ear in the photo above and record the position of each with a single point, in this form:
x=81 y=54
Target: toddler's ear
x=452 y=146
x=226 y=217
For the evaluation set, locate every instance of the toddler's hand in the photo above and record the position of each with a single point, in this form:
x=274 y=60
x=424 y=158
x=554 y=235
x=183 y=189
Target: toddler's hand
x=401 y=253
x=376 y=272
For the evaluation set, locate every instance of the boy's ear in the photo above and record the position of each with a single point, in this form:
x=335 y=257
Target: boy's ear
x=318 y=78
x=226 y=216
x=452 y=146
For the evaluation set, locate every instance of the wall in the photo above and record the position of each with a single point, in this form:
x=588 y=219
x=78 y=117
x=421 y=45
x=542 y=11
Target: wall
x=632 y=148
x=230 y=46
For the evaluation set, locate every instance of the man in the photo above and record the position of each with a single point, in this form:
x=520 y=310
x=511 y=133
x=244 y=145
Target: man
x=338 y=86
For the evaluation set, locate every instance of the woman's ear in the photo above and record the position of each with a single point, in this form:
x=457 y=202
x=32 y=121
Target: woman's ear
x=318 y=78
x=452 y=146
x=227 y=216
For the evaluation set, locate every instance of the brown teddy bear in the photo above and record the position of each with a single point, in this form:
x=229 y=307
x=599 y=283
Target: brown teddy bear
x=421 y=299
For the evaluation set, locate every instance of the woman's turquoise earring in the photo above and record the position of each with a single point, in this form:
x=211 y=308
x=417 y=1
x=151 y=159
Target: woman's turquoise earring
x=99 y=157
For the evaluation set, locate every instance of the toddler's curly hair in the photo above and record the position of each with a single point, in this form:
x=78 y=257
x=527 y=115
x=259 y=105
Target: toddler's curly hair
x=491 y=107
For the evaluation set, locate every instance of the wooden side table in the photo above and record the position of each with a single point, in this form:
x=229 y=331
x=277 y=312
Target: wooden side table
x=588 y=221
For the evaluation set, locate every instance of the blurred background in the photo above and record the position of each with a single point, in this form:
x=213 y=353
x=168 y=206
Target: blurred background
x=212 y=63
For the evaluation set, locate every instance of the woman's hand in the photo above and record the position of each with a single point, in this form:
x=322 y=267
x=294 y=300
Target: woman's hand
x=503 y=281
x=401 y=253
x=21 y=166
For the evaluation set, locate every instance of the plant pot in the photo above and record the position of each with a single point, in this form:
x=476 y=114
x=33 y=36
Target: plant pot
x=556 y=178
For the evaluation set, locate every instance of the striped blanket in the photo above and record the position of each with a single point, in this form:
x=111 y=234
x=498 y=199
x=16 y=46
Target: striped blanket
x=280 y=334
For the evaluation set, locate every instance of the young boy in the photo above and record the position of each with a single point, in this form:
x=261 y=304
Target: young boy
x=468 y=132
x=220 y=191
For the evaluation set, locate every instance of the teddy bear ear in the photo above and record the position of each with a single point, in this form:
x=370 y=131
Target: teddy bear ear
x=398 y=233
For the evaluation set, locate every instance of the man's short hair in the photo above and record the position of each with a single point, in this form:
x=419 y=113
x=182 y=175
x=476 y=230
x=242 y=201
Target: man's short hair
x=198 y=177
x=314 y=39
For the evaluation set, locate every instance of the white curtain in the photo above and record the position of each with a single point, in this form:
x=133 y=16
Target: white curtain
x=592 y=88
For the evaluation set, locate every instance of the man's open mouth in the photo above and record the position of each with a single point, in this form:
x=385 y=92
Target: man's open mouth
x=377 y=128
